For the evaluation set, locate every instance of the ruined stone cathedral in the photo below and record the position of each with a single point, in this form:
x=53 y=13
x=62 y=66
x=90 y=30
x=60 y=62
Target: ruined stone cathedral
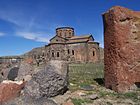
x=65 y=45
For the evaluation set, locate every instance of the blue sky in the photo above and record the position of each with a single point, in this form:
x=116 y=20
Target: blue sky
x=25 y=24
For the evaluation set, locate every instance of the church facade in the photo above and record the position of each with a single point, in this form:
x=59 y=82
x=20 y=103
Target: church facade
x=65 y=45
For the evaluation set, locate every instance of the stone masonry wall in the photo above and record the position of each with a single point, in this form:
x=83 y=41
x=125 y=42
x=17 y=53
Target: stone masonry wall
x=122 y=48
x=77 y=52
x=74 y=52
x=93 y=52
x=55 y=52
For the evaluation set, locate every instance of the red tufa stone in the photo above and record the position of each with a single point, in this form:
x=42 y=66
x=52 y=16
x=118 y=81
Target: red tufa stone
x=122 y=48
x=9 y=91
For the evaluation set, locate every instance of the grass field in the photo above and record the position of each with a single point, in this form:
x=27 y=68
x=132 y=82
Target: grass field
x=85 y=74
x=92 y=75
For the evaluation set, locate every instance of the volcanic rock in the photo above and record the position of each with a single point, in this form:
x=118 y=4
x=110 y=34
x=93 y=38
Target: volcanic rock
x=25 y=71
x=122 y=48
x=10 y=90
x=13 y=73
x=50 y=81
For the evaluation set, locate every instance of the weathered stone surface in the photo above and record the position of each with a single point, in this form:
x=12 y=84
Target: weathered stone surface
x=5 y=69
x=13 y=73
x=51 y=81
x=9 y=90
x=24 y=100
x=77 y=49
x=122 y=48
x=93 y=96
x=25 y=70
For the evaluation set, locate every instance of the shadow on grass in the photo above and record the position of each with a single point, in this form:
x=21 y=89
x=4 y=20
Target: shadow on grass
x=100 y=81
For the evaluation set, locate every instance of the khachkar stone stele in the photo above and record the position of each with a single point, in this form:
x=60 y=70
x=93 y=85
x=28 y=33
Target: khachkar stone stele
x=122 y=49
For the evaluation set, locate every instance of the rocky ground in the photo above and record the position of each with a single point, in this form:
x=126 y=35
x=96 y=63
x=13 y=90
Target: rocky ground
x=98 y=96
x=85 y=87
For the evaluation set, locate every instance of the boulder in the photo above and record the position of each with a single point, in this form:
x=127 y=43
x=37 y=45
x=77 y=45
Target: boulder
x=6 y=70
x=25 y=71
x=13 y=73
x=10 y=90
x=50 y=81
x=20 y=71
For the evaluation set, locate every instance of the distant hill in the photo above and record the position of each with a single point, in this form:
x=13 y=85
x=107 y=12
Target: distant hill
x=35 y=51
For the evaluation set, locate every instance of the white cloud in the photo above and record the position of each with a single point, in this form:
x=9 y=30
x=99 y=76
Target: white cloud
x=26 y=24
x=33 y=36
x=11 y=16
x=2 y=34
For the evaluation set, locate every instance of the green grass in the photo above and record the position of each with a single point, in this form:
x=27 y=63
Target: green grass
x=84 y=74
x=128 y=95
x=131 y=95
x=94 y=70
x=76 y=101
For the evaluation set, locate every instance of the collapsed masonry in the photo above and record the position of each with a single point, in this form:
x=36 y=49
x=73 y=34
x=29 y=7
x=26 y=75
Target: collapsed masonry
x=122 y=48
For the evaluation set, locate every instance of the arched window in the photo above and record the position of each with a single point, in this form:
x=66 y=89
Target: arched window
x=72 y=52
x=52 y=54
x=93 y=53
x=68 y=51
x=57 y=54
x=2 y=73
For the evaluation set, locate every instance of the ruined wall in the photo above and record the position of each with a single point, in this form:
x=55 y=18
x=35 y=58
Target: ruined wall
x=74 y=52
x=122 y=48
x=71 y=52
x=55 y=52
x=77 y=52
x=83 y=52
x=93 y=52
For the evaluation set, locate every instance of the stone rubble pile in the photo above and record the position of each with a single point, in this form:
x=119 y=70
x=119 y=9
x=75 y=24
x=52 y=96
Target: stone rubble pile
x=36 y=87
